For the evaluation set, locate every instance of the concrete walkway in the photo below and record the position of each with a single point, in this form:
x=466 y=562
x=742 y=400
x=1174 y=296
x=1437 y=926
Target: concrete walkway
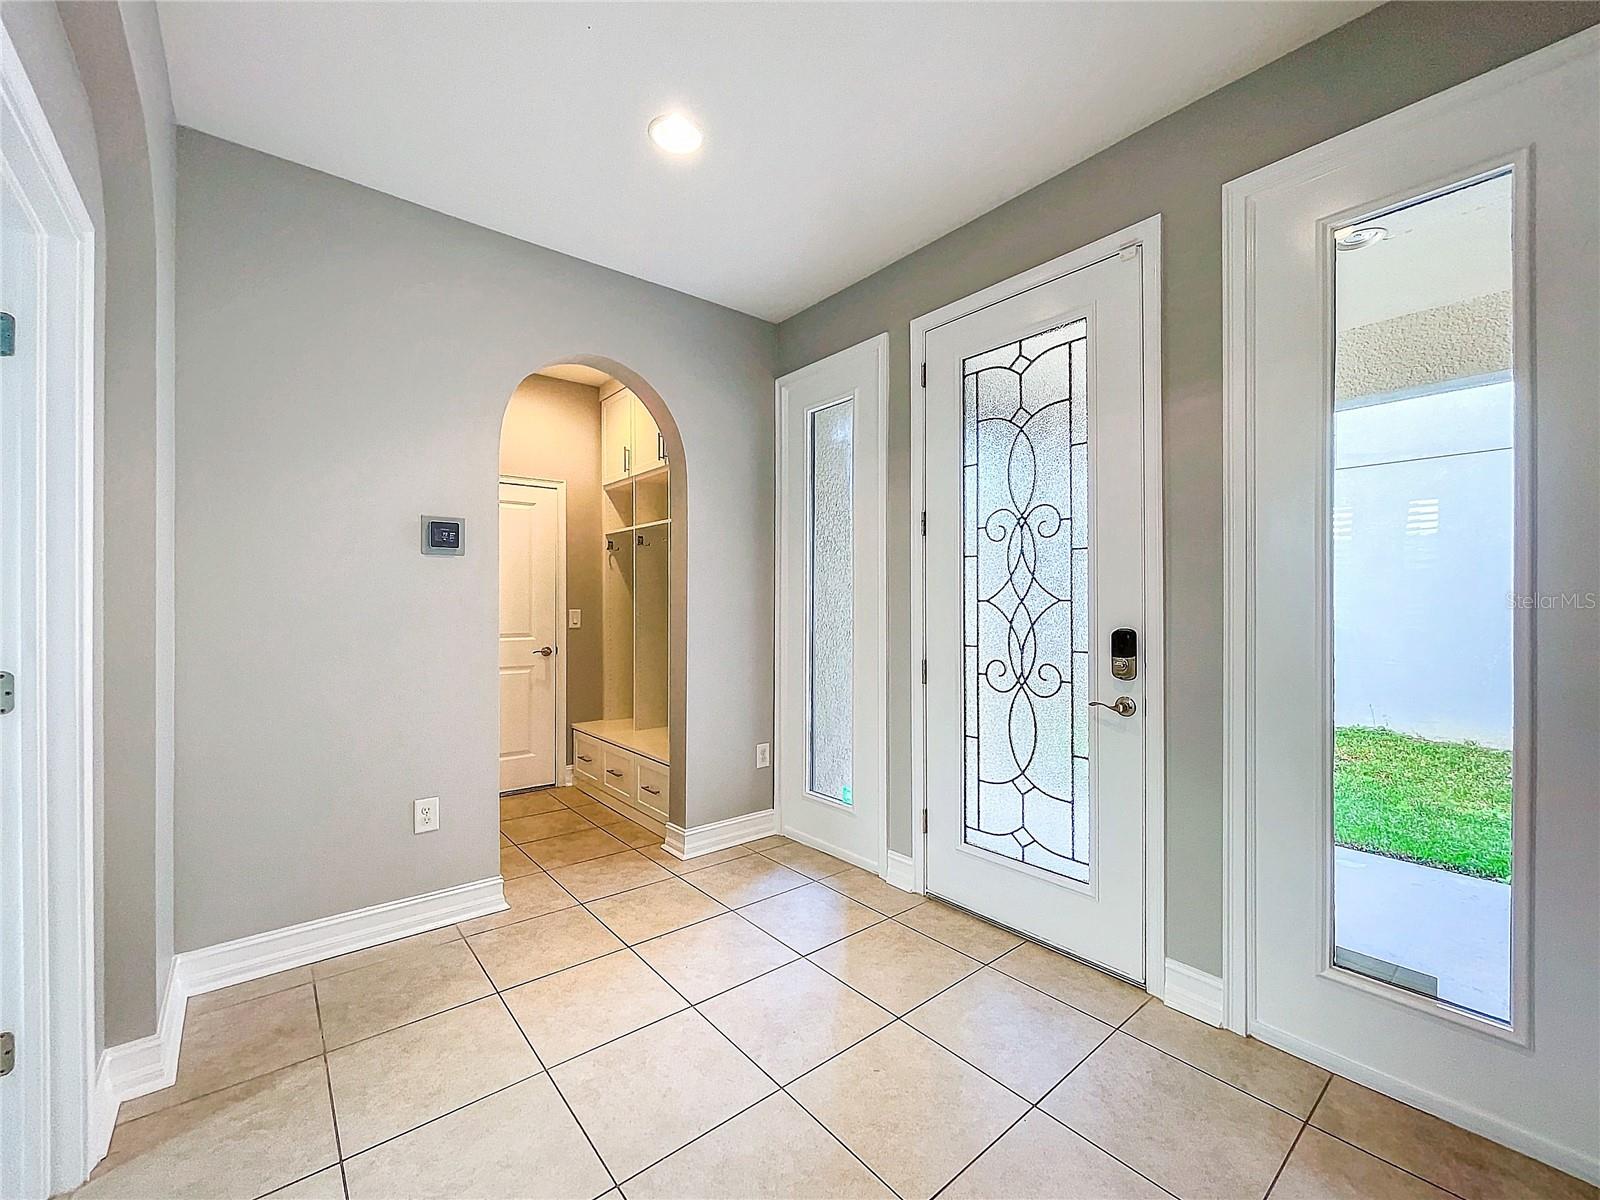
x=1451 y=926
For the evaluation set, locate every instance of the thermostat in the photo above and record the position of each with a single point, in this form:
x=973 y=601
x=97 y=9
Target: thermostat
x=442 y=535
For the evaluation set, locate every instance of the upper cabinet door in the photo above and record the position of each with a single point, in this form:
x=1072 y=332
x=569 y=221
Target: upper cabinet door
x=617 y=458
x=649 y=447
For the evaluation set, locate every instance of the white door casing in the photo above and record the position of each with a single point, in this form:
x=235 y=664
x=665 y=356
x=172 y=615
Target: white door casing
x=830 y=422
x=532 y=651
x=1532 y=1083
x=54 y=1130
x=1091 y=887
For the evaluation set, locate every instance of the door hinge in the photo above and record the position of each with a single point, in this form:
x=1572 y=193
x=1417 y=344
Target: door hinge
x=924 y=820
x=924 y=524
x=8 y=692
x=8 y=335
x=8 y=1052
x=924 y=375
x=924 y=670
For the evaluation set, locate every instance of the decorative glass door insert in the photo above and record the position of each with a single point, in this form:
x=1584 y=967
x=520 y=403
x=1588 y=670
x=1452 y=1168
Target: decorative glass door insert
x=831 y=677
x=1025 y=489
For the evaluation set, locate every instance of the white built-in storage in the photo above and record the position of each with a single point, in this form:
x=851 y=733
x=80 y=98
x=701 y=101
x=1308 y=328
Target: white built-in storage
x=622 y=759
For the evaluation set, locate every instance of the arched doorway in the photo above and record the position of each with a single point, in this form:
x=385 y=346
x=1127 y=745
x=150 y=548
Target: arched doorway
x=591 y=544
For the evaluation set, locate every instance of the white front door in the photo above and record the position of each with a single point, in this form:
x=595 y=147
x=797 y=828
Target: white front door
x=830 y=765
x=531 y=563
x=1035 y=577
x=1415 y=403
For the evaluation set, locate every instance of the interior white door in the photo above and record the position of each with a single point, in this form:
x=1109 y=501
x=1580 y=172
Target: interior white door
x=1034 y=555
x=1485 y=204
x=530 y=627
x=830 y=604
x=23 y=927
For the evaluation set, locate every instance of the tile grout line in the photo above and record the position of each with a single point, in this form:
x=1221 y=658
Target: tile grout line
x=548 y=1074
x=781 y=1089
x=327 y=1081
x=1295 y=1141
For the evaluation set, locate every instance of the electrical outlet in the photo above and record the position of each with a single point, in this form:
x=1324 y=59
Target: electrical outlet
x=425 y=815
x=763 y=755
x=574 y=618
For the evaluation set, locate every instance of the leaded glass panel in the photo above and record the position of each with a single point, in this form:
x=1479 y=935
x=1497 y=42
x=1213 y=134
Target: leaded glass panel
x=1025 y=488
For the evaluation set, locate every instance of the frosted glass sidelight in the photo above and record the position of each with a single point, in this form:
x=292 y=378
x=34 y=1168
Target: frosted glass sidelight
x=1025 y=499
x=831 y=637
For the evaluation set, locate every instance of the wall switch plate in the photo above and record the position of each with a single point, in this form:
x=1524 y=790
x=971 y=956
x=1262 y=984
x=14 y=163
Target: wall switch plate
x=763 y=755
x=574 y=618
x=425 y=815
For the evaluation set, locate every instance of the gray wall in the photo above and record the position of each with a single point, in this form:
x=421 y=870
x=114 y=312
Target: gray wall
x=100 y=74
x=552 y=431
x=344 y=362
x=1389 y=58
x=120 y=58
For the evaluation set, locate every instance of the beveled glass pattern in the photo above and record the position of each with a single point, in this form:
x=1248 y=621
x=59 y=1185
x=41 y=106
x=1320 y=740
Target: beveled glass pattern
x=1025 y=502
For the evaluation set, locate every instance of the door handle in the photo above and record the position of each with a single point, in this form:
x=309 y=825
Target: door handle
x=1123 y=706
x=546 y=651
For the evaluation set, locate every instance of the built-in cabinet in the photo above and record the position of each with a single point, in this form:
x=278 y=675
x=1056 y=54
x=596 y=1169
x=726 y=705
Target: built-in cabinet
x=622 y=759
x=630 y=442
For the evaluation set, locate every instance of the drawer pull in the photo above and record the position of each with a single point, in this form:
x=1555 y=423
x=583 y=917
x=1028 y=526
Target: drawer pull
x=617 y=774
x=584 y=758
x=651 y=790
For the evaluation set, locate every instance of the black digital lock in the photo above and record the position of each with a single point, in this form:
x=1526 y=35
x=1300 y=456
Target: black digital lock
x=1124 y=654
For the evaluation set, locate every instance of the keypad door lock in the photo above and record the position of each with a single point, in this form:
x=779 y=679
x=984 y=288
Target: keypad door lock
x=1124 y=654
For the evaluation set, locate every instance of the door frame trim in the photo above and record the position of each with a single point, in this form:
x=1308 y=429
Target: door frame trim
x=878 y=347
x=67 y=1126
x=559 y=486
x=1238 y=536
x=1147 y=235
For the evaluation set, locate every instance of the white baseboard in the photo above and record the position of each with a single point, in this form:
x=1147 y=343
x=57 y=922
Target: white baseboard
x=566 y=775
x=1193 y=993
x=1574 y=1160
x=901 y=872
x=719 y=835
x=139 y=1067
x=261 y=954
x=148 y=1064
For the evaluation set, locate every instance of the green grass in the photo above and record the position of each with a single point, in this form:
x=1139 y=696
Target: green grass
x=1444 y=804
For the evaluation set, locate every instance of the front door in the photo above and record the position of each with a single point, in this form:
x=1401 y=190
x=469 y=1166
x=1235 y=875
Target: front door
x=530 y=586
x=830 y=785
x=1035 y=587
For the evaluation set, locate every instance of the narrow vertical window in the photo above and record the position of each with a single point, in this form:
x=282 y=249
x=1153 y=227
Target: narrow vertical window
x=831 y=640
x=1423 y=530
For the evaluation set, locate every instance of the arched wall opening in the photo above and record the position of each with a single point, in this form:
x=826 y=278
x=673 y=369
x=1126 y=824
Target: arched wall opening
x=541 y=438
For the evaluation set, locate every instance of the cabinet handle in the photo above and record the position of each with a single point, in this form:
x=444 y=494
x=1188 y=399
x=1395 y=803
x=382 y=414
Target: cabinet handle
x=651 y=790
x=609 y=771
x=627 y=459
x=661 y=447
x=584 y=758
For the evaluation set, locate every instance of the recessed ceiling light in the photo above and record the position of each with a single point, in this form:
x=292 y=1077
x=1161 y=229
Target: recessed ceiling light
x=675 y=133
x=1359 y=237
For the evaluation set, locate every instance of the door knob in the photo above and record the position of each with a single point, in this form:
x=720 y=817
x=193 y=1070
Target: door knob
x=1123 y=706
x=547 y=651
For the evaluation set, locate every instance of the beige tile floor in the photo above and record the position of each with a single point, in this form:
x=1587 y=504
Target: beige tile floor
x=760 y=1022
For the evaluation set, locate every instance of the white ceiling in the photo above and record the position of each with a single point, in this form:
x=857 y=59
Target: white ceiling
x=839 y=137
